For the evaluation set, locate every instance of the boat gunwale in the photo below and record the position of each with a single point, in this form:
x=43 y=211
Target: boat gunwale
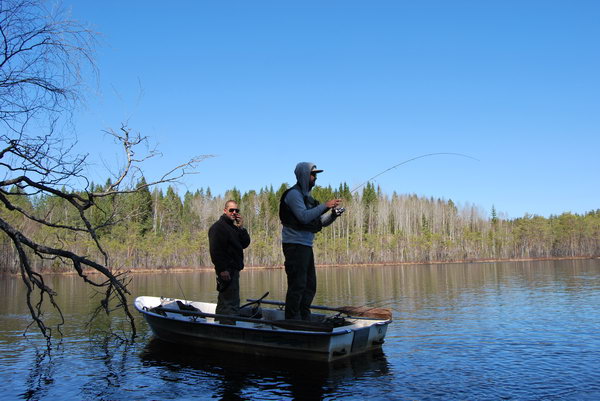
x=271 y=329
x=260 y=329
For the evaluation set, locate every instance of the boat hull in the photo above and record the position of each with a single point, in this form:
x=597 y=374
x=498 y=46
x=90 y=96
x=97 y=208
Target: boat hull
x=259 y=338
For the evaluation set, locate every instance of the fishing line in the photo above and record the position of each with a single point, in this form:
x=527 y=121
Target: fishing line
x=410 y=160
x=180 y=288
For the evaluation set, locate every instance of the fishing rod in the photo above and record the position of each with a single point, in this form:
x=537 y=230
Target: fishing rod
x=180 y=288
x=410 y=160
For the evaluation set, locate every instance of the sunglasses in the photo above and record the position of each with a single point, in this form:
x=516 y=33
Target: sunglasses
x=234 y=210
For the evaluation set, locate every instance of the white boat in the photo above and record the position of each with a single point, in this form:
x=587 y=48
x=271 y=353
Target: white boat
x=264 y=331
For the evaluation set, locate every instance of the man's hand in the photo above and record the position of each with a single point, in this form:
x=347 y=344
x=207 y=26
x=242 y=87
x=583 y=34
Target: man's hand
x=238 y=220
x=333 y=203
x=225 y=275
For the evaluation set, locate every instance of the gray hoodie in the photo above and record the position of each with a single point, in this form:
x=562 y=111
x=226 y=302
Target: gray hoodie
x=295 y=200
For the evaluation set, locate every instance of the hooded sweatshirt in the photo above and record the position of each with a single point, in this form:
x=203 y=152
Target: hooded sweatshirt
x=294 y=199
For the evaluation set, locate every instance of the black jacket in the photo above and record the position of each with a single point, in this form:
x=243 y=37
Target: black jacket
x=227 y=243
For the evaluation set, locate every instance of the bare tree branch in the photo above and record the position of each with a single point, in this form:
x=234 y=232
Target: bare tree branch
x=42 y=57
x=131 y=167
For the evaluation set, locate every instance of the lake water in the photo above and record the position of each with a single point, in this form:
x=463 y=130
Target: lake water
x=488 y=331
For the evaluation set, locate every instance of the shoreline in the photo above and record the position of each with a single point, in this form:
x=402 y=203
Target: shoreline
x=182 y=269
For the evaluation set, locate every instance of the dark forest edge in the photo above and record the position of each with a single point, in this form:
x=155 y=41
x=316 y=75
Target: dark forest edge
x=161 y=230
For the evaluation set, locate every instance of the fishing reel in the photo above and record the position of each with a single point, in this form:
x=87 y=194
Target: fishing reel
x=338 y=211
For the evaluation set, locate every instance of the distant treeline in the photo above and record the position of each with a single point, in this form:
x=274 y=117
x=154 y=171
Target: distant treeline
x=161 y=229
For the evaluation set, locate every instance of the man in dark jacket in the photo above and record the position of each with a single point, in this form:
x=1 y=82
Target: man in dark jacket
x=302 y=216
x=227 y=240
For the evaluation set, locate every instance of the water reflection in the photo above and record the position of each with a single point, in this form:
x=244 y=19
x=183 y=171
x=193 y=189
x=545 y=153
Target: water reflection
x=526 y=330
x=233 y=376
x=41 y=375
x=112 y=361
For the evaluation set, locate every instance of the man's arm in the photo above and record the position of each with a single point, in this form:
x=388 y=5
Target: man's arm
x=217 y=241
x=244 y=237
x=295 y=200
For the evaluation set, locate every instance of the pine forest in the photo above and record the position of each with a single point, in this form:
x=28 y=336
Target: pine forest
x=164 y=230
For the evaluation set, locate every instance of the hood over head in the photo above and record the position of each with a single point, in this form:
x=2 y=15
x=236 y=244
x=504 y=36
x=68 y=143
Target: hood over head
x=302 y=171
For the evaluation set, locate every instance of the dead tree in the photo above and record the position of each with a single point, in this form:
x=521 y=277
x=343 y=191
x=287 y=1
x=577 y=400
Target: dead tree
x=42 y=58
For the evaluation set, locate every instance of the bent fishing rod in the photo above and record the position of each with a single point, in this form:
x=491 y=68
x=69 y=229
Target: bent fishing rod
x=410 y=160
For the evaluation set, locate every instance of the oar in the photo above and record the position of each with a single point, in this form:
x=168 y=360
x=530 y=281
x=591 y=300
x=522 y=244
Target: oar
x=358 y=311
x=255 y=301
x=365 y=311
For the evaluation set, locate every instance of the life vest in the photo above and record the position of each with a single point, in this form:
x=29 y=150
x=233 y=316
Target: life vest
x=288 y=219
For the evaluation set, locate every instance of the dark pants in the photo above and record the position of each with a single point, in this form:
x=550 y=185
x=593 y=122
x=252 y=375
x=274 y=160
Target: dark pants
x=301 y=279
x=228 y=302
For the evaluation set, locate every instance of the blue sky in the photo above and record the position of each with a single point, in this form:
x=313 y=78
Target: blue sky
x=357 y=87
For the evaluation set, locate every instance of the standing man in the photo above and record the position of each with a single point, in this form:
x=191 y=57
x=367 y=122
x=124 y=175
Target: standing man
x=227 y=240
x=302 y=216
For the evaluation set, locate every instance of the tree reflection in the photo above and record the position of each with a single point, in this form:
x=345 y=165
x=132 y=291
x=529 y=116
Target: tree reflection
x=112 y=372
x=41 y=375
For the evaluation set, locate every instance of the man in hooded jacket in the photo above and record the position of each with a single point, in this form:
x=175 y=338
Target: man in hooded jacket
x=302 y=216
